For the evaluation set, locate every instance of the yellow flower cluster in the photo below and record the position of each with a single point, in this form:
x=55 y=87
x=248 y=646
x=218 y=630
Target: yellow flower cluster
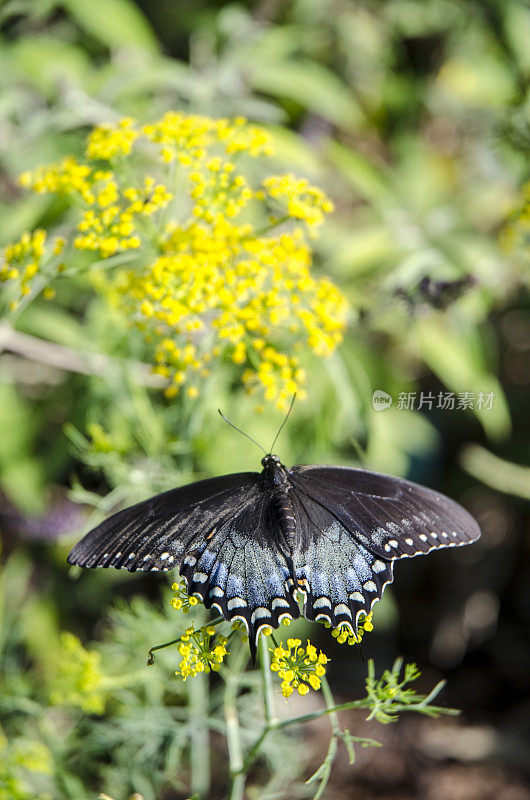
x=20 y=756
x=199 y=653
x=79 y=679
x=297 y=199
x=217 y=267
x=113 y=226
x=23 y=260
x=217 y=192
x=69 y=177
x=298 y=667
x=108 y=141
x=225 y=289
x=190 y=138
x=182 y=601
x=344 y=633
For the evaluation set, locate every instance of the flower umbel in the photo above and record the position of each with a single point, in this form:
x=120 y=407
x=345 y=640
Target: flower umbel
x=214 y=264
x=345 y=635
x=80 y=680
x=23 y=260
x=182 y=601
x=298 y=667
x=202 y=650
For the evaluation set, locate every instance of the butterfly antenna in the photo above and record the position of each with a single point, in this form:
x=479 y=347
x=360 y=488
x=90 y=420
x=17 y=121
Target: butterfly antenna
x=283 y=423
x=240 y=431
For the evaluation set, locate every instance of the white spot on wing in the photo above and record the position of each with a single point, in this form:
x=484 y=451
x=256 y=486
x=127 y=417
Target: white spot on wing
x=280 y=601
x=370 y=586
x=357 y=596
x=259 y=613
x=322 y=601
x=236 y=602
x=378 y=566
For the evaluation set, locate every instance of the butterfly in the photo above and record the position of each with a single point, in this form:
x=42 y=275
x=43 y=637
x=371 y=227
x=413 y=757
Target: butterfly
x=249 y=544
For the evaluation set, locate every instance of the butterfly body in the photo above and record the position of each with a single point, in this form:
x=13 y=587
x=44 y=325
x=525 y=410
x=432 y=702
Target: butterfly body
x=279 y=488
x=250 y=544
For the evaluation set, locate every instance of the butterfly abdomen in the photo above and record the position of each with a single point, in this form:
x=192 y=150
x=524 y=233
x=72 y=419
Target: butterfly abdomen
x=284 y=514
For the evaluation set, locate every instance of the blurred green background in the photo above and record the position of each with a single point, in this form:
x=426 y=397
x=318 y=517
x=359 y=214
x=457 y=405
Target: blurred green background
x=414 y=116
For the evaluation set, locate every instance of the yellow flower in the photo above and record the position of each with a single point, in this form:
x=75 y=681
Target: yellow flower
x=80 y=681
x=344 y=634
x=108 y=141
x=298 y=667
x=181 y=601
x=296 y=198
x=199 y=653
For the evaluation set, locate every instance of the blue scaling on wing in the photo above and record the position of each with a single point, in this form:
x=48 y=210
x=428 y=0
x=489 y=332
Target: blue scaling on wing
x=237 y=569
x=339 y=576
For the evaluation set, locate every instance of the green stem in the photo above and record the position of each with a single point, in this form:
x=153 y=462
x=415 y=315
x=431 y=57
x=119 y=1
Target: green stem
x=233 y=733
x=271 y=226
x=324 y=771
x=266 y=682
x=268 y=701
x=200 y=743
x=330 y=705
x=150 y=656
x=396 y=708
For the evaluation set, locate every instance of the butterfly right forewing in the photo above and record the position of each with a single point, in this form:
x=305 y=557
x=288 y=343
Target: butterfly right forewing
x=389 y=516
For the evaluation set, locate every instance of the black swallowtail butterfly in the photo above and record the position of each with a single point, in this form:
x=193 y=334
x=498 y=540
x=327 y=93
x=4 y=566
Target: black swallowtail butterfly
x=246 y=543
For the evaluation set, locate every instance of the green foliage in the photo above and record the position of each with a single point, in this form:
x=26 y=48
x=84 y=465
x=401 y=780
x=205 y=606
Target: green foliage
x=412 y=115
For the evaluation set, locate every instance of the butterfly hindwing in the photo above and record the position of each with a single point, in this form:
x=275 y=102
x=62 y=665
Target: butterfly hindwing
x=340 y=577
x=155 y=534
x=238 y=569
x=390 y=517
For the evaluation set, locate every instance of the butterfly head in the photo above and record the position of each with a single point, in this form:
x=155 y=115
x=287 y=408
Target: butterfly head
x=270 y=460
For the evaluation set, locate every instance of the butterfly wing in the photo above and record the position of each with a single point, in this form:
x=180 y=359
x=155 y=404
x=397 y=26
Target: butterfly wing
x=238 y=569
x=388 y=516
x=155 y=534
x=221 y=535
x=341 y=577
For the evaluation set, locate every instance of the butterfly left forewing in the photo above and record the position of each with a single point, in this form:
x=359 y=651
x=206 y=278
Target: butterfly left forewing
x=156 y=533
